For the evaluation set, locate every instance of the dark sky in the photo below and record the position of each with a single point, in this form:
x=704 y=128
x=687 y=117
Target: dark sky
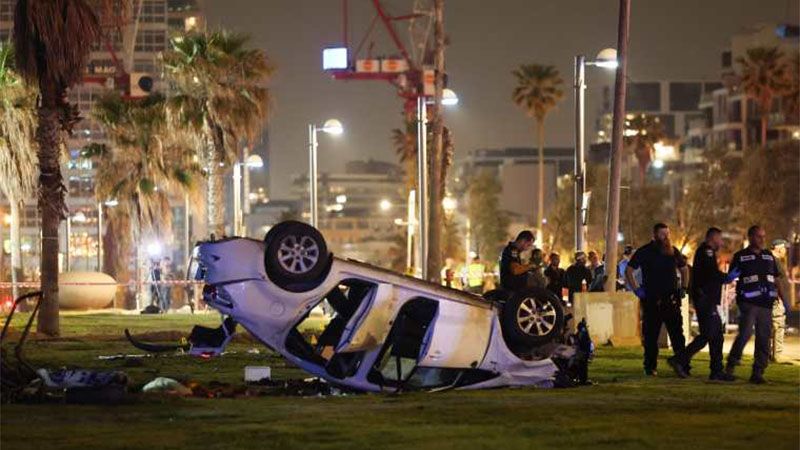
x=674 y=39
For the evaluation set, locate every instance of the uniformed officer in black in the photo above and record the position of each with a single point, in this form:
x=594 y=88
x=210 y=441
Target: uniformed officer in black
x=660 y=294
x=756 y=291
x=513 y=272
x=705 y=292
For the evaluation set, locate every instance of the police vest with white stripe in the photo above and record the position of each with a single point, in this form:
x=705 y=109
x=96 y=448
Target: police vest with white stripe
x=757 y=280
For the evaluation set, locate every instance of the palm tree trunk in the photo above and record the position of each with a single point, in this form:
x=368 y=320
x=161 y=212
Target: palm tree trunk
x=215 y=184
x=540 y=201
x=51 y=205
x=764 y=122
x=16 y=246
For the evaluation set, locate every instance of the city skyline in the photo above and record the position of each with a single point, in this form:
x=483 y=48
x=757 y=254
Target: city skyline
x=294 y=33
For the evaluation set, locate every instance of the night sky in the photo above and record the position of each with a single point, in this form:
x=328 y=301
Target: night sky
x=670 y=40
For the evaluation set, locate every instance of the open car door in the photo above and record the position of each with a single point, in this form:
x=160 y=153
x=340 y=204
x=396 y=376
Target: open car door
x=370 y=325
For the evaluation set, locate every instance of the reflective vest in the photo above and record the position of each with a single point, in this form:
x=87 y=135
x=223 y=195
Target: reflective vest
x=757 y=282
x=475 y=273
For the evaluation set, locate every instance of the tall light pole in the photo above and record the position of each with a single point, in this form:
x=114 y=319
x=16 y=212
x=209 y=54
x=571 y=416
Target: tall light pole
x=333 y=127
x=607 y=59
x=449 y=98
x=252 y=162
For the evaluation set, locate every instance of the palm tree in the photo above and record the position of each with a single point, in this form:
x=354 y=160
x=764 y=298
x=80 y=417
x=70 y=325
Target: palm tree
x=149 y=161
x=764 y=76
x=17 y=149
x=538 y=91
x=643 y=131
x=53 y=39
x=405 y=146
x=220 y=92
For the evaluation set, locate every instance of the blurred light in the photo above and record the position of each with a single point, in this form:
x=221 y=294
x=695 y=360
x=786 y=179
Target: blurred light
x=796 y=135
x=631 y=132
x=341 y=199
x=399 y=221
x=449 y=97
x=620 y=237
x=26 y=247
x=385 y=205
x=333 y=126
x=154 y=249
x=449 y=204
x=665 y=152
x=607 y=59
x=7 y=219
x=658 y=164
x=544 y=220
x=334 y=58
x=111 y=203
x=254 y=162
x=79 y=217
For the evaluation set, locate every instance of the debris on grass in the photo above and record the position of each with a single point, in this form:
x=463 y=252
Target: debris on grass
x=166 y=385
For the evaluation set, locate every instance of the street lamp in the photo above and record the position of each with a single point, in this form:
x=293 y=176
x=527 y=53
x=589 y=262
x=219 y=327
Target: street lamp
x=252 y=162
x=332 y=127
x=607 y=59
x=422 y=175
x=385 y=205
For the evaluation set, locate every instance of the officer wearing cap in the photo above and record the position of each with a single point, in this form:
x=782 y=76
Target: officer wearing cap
x=756 y=292
x=513 y=272
x=660 y=294
x=705 y=292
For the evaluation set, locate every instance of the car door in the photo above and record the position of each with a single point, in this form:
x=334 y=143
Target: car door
x=370 y=325
x=459 y=336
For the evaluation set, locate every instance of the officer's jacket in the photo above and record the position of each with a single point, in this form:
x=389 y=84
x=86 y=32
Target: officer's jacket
x=706 y=279
x=757 y=280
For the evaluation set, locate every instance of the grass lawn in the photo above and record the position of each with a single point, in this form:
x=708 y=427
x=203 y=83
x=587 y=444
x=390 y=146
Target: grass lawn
x=624 y=410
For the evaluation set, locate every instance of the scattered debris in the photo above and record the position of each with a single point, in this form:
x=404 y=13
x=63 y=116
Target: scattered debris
x=254 y=374
x=166 y=386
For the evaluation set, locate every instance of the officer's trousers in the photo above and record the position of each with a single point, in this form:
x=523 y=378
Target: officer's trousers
x=758 y=317
x=711 y=333
x=655 y=312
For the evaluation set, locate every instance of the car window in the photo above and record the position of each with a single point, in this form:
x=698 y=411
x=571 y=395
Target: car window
x=315 y=337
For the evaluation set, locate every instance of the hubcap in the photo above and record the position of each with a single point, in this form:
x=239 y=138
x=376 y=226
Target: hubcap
x=298 y=254
x=536 y=317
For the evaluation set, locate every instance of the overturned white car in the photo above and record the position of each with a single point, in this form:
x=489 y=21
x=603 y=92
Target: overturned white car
x=388 y=332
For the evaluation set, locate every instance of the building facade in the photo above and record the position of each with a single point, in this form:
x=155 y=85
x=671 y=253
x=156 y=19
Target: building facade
x=134 y=46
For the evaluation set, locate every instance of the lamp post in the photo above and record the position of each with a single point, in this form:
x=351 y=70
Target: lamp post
x=252 y=162
x=449 y=98
x=333 y=127
x=607 y=59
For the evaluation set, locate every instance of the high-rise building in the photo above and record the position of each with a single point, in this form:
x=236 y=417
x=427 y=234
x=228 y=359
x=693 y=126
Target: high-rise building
x=134 y=48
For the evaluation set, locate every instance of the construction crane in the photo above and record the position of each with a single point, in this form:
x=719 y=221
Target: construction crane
x=407 y=69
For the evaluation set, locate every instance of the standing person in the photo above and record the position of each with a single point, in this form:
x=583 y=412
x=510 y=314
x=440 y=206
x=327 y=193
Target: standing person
x=756 y=292
x=166 y=289
x=448 y=272
x=598 y=269
x=627 y=253
x=474 y=275
x=779 y=308
x=577 y=275
x=536 y=277
x=155 y=286
x=556 y=276
x=513 y=272
x=660 y=296
x=705 y=292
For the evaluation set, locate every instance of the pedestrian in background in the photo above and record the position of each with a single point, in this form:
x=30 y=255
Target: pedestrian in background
x=556 y=276
x=779 y=308
x=598 y=269
x=622 y=284
x=578 y=276
x=756 y=293
x=660 y=294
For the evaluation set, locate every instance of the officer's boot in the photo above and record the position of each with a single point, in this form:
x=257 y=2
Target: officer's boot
x=730 y=368
x=757 y=377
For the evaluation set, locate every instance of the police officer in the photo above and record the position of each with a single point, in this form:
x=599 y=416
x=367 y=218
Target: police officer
x=705 y=291
x=756 y=292
x=513 y=272
x=474 y=275
x=661 y=294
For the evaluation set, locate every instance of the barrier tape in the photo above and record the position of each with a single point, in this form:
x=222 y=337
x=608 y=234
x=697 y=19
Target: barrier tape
x=28 y=284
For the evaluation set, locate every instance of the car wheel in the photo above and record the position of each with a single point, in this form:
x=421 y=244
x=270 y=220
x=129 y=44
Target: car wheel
x=532 y=317
x=296 y=256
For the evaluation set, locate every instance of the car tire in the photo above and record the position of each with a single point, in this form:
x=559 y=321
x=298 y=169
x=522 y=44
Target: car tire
x=296 y=256
x=532 y=317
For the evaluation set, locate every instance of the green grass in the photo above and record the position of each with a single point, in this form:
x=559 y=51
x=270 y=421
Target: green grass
x=624 y=410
